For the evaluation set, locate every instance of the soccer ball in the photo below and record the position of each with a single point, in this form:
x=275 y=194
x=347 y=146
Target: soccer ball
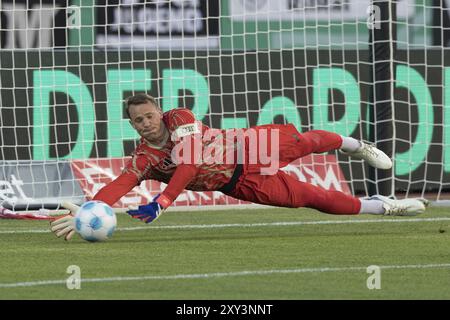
x=95 y=221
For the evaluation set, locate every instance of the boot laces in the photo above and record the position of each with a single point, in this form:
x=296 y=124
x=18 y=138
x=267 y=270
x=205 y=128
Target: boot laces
x=396 y=209
x=369 y=150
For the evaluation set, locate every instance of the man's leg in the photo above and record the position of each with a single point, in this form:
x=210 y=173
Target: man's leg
x=283 y=190
x=391 y=207
x=294 y=145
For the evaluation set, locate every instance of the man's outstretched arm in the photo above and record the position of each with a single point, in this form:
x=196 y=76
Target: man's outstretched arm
x=112 y=192
x=180 y=179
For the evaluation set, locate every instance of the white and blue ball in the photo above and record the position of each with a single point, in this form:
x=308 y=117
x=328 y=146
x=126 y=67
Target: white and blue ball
x=95 y=221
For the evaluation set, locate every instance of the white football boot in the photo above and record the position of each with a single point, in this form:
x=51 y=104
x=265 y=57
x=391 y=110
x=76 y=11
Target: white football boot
x=403 y=207
x=375 y=157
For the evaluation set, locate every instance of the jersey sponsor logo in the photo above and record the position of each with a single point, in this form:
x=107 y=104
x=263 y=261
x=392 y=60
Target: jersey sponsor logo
x=167 y=164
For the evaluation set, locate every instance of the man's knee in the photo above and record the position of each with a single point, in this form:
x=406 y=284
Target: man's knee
x=318 y=141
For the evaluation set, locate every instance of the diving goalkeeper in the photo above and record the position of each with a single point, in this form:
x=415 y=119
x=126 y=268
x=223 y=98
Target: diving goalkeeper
x=178 y=150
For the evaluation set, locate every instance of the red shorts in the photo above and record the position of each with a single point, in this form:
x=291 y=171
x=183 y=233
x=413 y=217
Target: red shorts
x=280 y=189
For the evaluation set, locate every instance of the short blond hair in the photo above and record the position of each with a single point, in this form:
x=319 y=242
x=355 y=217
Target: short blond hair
x=140 y=98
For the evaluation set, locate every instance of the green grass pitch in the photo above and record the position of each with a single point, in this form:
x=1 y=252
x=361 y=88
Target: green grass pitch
x=234 y=254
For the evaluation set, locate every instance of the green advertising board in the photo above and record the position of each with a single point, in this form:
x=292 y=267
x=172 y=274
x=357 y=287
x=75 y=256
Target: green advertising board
x=54 y=106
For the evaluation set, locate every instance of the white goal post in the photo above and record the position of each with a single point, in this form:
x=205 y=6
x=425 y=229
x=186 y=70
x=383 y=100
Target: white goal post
x=66 y=67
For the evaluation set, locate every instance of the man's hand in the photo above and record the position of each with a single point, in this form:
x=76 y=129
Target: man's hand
x=147 y=213
x=65 y=226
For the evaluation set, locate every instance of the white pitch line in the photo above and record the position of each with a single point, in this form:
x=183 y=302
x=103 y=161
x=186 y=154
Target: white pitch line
x=251 y=225
x=221 y=274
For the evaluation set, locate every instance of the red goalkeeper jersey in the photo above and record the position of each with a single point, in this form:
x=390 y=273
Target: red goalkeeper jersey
x=156 y=162
x=213 y=166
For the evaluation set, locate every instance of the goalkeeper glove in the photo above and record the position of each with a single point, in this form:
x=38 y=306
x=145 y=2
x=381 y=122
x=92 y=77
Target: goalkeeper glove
x=148 y=213
x=65 y=226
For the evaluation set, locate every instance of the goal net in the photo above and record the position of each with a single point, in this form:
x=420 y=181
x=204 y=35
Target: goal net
x=67 y=66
